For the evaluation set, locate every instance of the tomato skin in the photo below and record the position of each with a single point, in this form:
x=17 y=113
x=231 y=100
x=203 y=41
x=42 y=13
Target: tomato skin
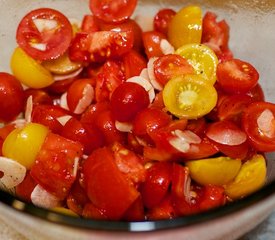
x=128 y=100
x=261 y=139
x=162 y=20
x=106 y=186
x=169 y=66
x=149 y=120
x=57 y=42
x=113 y=12
x=39 y=96
x=135 y=212
x=11 y=97
x=89 y=24
x=79 y=48
x=57 y=162
x=236 y=76
x=151 y=41
x=156 y=185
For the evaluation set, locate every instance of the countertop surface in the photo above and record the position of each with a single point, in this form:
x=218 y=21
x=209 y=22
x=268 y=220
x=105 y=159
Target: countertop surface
x=265 y=231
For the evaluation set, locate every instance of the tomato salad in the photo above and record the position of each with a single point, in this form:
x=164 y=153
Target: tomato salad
x=105 y=120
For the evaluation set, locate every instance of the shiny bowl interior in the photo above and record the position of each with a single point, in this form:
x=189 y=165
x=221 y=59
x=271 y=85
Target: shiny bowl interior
x=252 y=39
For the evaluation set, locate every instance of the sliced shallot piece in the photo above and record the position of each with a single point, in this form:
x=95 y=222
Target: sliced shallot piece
x=145 y=84
x=63 y=101
x=64 y=119
x=41 y=198
x=266 y=123
x=12 y=173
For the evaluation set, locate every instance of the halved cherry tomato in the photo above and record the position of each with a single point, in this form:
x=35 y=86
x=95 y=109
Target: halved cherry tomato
x=25 y=188
x=23 y=144
x=57 y=162
x=259 y=124
x=157 y=183
x=44 y=34
x=257 y=93
x=39 y=96
x=28 y=71
x=202 y=58
x=106 y=186
x=162 y=20
x=113 y=11
x=189 y=96
x=89 y=24
x=251 y=177
x=215 y=171
x=186 y=26
x=128 y=100
x=228 y=138
x=11 y=97
x=169 y=66
x=237 y=76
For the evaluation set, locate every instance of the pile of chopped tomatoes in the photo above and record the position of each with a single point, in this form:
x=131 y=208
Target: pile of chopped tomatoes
x=105 y=120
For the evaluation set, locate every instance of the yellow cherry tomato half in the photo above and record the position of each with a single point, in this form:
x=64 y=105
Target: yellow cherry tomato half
x=28 y=71
x=189 y=96
x=186 y=26
x=216 y=171
x=61 y=65
x=250 y=178
x=23 y=144
x=202 y=58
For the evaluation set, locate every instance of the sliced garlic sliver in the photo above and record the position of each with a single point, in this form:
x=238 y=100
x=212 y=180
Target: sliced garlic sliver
x=188 y=136
x=39 y=46
x=179 y=144
x=64 y=119
x=87 y=98
x=124 y=126
x=63 y=101
x=29 y=108
x=151 y=74
x=13 y=173
x=41 y=198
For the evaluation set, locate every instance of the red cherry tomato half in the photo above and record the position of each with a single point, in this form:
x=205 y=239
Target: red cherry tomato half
x=39 y=96
x=113 y=11
x=171 y=65
x=89 y=24
x=128 y=100
x=162 y=20
x=157 y=183
x=11 y=97
x=236 y=76
x=259 y=123
x=44 y=34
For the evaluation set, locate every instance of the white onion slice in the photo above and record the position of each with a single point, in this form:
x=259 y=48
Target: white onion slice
x=41 y=198
x=13 y=173
x=63 y=101
x=39 y=46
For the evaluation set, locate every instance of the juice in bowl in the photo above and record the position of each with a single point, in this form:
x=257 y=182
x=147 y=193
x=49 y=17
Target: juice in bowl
x=137 y=121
